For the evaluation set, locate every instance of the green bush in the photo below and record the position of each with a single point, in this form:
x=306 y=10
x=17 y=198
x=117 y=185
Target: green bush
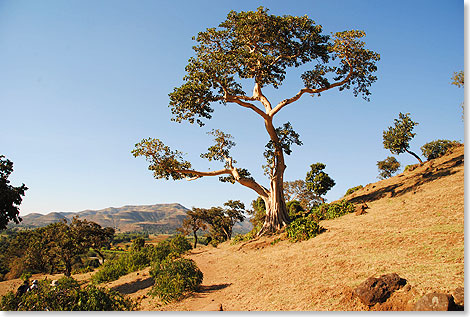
x=353 y=189
x=111 y=270
x=174 y=277
x=303 y=228
x=67 y=295
x=438 y=148
x=140 y=257
x=294 y=209
x=243 y=237
x=180 y=244
x=332 y=210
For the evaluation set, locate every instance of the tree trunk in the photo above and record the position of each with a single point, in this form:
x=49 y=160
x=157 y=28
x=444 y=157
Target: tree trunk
x=276 y=211
x=101 y=255
x=416 y=156
x=195 y=238
x=68 y=268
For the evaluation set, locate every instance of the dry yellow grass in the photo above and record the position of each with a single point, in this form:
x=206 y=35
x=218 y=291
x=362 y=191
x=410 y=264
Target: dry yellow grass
x=414 y=227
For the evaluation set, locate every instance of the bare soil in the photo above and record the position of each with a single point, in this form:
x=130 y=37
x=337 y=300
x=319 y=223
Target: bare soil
x=414 y=226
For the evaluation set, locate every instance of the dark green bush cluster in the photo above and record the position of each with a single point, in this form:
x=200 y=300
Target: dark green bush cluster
x=174 y=277
x=140 y=257
x=438 y=148
x=353 y=189
x=305 y=225
x=332 y=210
x=66 y=295
x=303 y=228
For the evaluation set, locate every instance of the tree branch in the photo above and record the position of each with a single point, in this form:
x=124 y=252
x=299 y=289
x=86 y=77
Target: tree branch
x=200 y=174
x=247 y=182
x=302 y=91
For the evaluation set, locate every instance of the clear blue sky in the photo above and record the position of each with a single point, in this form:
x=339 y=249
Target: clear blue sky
x=82 y=81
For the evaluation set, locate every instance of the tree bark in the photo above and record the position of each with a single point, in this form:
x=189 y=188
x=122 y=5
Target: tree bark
x=277 y=216
x=195 y=238
x=416 y=156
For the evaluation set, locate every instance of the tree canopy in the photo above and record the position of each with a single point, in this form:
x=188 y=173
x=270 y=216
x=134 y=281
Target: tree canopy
x=10 y=196
x=388 y=167
x=397 y=138
x=258 y=48
x=318 y=181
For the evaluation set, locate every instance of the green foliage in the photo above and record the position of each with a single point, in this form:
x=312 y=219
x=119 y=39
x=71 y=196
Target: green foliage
x=221 y=150
x=353 y=189
x=318 y=181
x=256 y=45
x=258 y=214
x=180 y=244
x=332 y=210
x=67 y=295
x=297 y=190
x=438 y=148
x=388 y=167
x=10 y=196
x=294 y=208
x=138 y=243
x=137 y=259
x=128 y=237
x=287 y=136
x=58 y=247
x=174 y=278
x=163 y=161
x=306 y=224
x=303 y=228
x=397 y=138
x=221 y=220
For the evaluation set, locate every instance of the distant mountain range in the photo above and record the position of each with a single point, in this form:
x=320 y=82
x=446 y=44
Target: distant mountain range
x=158 y=218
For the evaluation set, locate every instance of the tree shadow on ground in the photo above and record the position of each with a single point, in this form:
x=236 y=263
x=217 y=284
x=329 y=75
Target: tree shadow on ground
x=134 y=286
x=204 y=290
x=410 y=183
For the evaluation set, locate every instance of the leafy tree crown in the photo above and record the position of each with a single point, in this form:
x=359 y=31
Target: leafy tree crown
x=397 y=138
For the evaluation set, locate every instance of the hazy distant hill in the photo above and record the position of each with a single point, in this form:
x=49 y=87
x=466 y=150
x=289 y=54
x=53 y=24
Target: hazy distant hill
x=153 y=218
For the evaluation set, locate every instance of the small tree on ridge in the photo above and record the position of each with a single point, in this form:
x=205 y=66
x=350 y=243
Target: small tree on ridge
x=397 y=138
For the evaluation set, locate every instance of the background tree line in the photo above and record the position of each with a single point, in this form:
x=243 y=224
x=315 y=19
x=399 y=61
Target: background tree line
x=55 y=248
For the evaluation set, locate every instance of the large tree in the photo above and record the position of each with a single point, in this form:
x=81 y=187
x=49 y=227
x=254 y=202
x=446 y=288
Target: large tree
x=10 y=196
x=259 y=48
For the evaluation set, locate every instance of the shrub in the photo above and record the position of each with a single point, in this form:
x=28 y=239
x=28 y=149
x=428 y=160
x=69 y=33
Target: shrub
x=110 y=271
x=353 y=189
x=438 y=148
x=67 y=295
x=388 y=167
x=140 y=257
x=294 y=209
x=303 y=228
x=180 y=244
x=174 y=277
x=332 y=210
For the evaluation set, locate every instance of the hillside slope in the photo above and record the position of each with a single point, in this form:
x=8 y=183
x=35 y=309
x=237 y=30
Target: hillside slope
x=414 y=227
x=127 y=218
